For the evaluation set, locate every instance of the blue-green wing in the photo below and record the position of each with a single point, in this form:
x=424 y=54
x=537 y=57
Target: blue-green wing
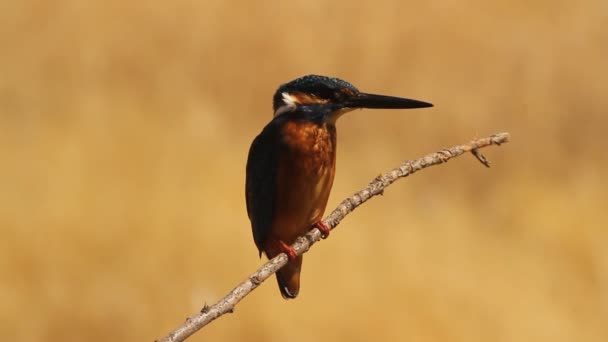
x=260 y=183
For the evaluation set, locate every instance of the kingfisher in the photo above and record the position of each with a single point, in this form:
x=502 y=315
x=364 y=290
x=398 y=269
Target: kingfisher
x=292 y=163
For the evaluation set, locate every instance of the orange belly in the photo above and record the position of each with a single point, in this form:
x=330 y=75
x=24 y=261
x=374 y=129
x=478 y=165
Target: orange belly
x=305 y=174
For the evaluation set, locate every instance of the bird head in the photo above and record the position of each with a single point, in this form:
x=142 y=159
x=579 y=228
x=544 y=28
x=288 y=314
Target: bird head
x=332 y=97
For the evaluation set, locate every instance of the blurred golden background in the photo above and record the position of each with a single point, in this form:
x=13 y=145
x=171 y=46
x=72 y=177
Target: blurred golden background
x=124 y=131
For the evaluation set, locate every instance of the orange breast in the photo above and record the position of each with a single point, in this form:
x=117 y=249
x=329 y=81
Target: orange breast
x=304 y=178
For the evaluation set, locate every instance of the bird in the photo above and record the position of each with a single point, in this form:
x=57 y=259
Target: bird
x=291 y=165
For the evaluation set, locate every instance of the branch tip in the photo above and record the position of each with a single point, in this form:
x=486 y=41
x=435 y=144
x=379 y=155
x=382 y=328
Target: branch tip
x=482 y=159
x=500 y=138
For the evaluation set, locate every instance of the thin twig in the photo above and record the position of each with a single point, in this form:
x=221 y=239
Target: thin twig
x=303 y=243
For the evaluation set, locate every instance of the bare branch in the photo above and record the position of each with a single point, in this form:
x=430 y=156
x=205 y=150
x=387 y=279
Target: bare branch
x=303 y=243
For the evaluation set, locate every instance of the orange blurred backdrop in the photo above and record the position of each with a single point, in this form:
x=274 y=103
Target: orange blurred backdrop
x=125 y=127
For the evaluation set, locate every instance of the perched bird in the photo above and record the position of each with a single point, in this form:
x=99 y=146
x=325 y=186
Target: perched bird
x=292 y=162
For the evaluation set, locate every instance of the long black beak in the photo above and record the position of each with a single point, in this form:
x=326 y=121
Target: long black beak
x=363 y=100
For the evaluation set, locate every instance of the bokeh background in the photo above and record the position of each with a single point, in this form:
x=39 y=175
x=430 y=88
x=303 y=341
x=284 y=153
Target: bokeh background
x=125 y=127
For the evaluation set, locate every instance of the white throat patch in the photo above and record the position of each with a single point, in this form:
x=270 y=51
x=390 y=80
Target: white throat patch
x=333 y=117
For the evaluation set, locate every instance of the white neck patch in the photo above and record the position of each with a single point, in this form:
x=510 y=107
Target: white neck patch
x=289 y=106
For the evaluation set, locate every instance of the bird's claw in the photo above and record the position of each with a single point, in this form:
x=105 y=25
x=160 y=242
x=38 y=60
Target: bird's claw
x=285 y=248
x=323 y=228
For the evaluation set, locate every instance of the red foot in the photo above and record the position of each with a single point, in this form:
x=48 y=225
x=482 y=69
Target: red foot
x=323 y=228
x=291 y=253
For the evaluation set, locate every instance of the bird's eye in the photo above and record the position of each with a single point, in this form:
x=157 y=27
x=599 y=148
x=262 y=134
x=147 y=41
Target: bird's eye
x=325 y=94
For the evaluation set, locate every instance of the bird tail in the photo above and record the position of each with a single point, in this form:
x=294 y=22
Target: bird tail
x=288 y=278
